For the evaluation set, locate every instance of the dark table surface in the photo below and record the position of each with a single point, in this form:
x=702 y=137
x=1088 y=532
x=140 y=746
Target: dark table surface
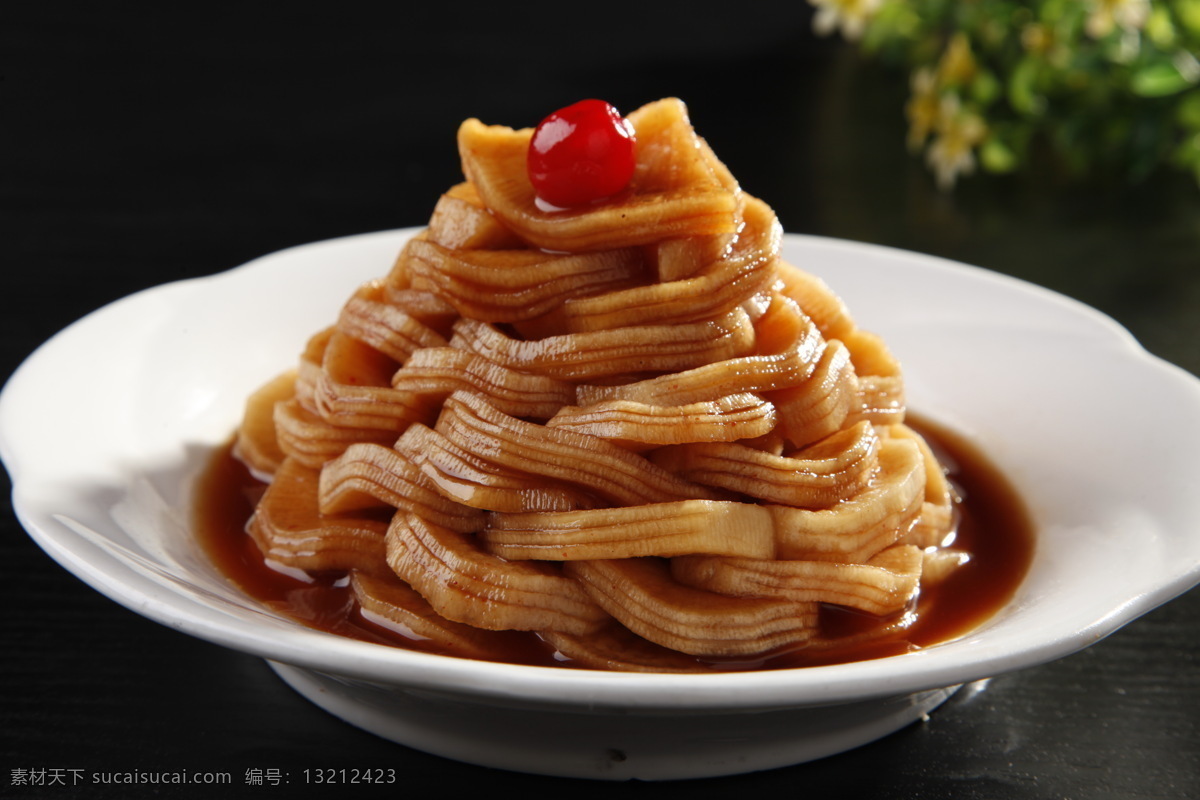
x=143 y=149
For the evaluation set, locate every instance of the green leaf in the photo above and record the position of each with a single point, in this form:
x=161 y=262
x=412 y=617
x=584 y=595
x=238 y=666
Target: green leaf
x=1160 y=29
x=1188 y=12
x=1187 y=154
x=1188 y=111
x=1022 y=88
x=995 y=156
x=985 y=88
x=1159 y=79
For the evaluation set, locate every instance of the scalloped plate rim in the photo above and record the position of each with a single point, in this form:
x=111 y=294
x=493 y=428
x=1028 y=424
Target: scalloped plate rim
x=506 y=684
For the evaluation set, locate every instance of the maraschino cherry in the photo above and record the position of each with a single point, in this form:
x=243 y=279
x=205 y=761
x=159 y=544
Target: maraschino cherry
x=581 y=154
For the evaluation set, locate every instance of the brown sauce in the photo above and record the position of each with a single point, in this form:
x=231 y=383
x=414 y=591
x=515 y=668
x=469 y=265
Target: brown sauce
x=994 y=528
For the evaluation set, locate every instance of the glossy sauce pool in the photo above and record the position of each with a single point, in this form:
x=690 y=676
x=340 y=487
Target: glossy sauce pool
x=994 y=528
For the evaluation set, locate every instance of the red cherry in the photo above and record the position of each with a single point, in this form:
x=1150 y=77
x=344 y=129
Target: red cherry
x=580 y=154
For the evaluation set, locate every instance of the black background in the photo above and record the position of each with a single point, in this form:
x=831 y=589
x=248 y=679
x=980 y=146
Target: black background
x=143 y=148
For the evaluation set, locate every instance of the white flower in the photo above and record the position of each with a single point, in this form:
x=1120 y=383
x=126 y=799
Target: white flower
x=923 y=107
x=1107 y=15
x=851 y=16
x=957 y=66
x=952 y=152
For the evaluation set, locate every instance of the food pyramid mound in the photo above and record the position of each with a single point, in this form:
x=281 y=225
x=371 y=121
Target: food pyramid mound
x=627 y=429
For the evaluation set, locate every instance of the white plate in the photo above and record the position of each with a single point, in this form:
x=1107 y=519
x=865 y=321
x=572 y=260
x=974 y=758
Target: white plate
x=104 y=428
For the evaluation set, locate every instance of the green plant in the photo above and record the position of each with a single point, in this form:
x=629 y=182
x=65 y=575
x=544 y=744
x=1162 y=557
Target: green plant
x=1106 y=86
